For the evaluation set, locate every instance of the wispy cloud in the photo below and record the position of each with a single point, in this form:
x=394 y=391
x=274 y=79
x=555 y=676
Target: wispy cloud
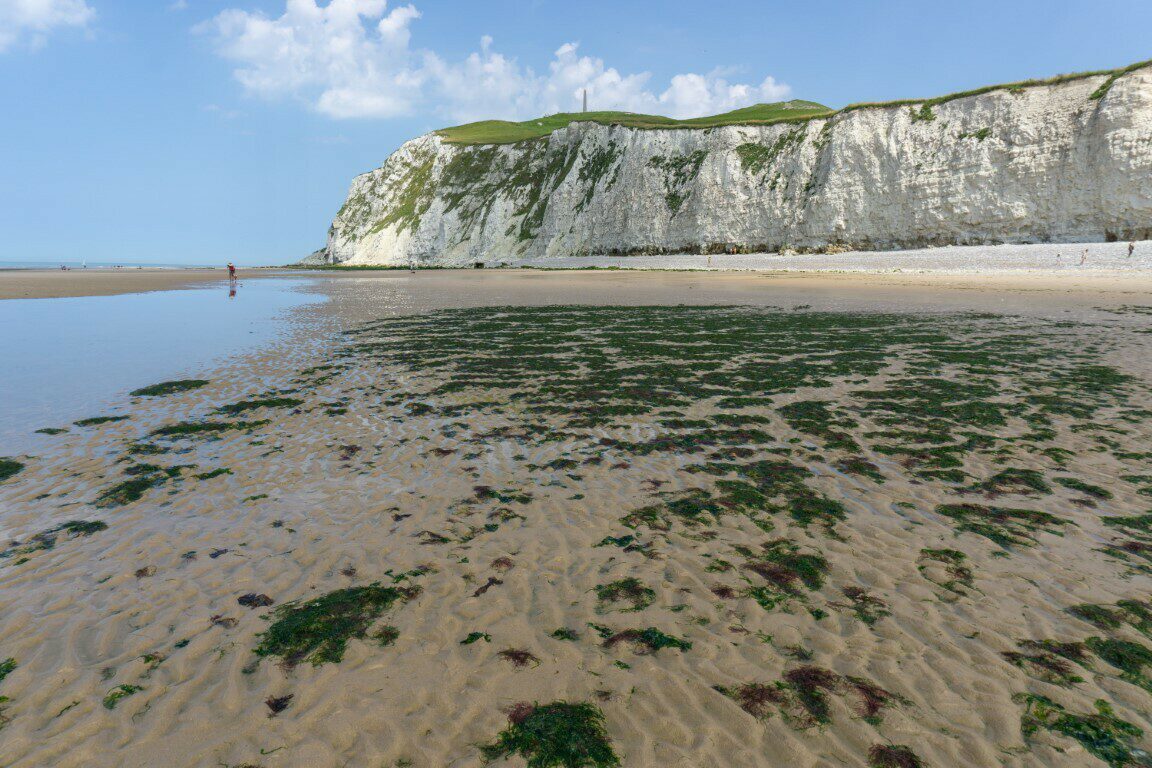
x=29 y=22
x=355 y=59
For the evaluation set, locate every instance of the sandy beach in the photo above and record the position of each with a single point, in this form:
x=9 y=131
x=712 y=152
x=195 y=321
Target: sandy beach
x=750 y=519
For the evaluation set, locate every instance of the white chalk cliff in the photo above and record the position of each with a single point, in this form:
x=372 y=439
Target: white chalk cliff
x=1058 y=162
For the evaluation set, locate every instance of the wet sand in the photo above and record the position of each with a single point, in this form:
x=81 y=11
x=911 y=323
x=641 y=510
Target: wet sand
x=508 y=450
x=16 y=284
x=57 y=283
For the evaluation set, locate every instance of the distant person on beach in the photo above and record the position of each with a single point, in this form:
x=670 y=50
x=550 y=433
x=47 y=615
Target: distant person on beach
x=1083 y=257
x=231 y=271
x=1131 y=248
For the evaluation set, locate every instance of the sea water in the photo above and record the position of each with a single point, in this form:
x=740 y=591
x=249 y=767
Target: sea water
x=70 y=358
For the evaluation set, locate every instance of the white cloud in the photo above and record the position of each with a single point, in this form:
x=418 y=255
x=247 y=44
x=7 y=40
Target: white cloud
x=30 y=21
x=354 y=58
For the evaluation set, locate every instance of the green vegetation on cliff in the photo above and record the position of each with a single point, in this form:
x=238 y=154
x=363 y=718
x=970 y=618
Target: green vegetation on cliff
x=503 y=132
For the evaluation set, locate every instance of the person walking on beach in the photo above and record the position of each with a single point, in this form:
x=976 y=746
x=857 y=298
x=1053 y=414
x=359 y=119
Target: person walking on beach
x=1131 y=248
x=231 y=271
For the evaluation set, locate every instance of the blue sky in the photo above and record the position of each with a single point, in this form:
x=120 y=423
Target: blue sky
x=201 y=131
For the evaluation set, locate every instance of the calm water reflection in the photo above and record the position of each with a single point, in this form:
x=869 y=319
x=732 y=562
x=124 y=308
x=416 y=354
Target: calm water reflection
x=64 y=359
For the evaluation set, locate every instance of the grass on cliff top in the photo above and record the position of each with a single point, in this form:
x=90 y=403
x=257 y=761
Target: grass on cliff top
x=503 y=132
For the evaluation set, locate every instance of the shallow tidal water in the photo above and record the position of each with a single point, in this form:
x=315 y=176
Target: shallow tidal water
x=72 y=358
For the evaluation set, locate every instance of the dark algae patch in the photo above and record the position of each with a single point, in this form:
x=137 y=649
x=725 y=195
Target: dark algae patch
x=633 y=593
x=196 y=428
x=947 y=568
x=7 y=667
x=97 y=420
x=893 y=756
x=119 y=693
x=647 y=641
x=9 y=468
x=48 y=539
x=803 y=696
x=130 y=490
x=1101 y=733
x=1007 y=527
x=557 y=735
x=165 y=388
x=268 y=402
x=318 y=630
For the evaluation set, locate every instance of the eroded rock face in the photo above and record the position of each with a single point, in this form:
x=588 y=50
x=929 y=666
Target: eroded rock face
x=1036 y=164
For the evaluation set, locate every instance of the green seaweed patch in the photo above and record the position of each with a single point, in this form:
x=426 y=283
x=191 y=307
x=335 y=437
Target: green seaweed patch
x=502 y=495
x=1014 y=481
x=97 y=420
x=865 y=606
x=1129 y=657
x=893 y=756
x=858 y=465
x=120 y=692
x=815 y=417
x=647 y=641
x=1049 y=661
x=52 y=431
x=1101 y=733
x=1135 y=613
x=166 y=388
x=318 y=630
x=1135 y=525
x=566 y=633
x=48 y=539
x=956 y=576
x=1095 y=491
x=7 y=667
x=630 y=590
x=557 y=735
x=214 y=473
x=693 y=507
x=9 y=468
x=1137 y=554
x=268 y=402
x=785 y=569
x=130 y=490
x=195 y=428
x=1007 y=527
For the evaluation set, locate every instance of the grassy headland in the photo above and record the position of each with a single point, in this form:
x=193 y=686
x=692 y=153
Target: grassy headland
x=504 y=132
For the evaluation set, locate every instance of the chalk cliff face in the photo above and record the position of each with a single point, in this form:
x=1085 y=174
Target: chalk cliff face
x=1035 y=164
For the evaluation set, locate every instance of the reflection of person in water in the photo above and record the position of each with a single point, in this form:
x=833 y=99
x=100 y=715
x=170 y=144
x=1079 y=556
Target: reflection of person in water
x=232 y=290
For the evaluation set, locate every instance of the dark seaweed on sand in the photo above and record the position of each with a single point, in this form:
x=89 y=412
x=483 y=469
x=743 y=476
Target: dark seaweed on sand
x=646 y=641
x=169 y=388
x=267 y=402
x=9 y=468
x=97 y=420
x=1101 y=733
x=557 y=735
x=893 y=756
x=194 y=428
x=48 y=539
x=318 y=630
